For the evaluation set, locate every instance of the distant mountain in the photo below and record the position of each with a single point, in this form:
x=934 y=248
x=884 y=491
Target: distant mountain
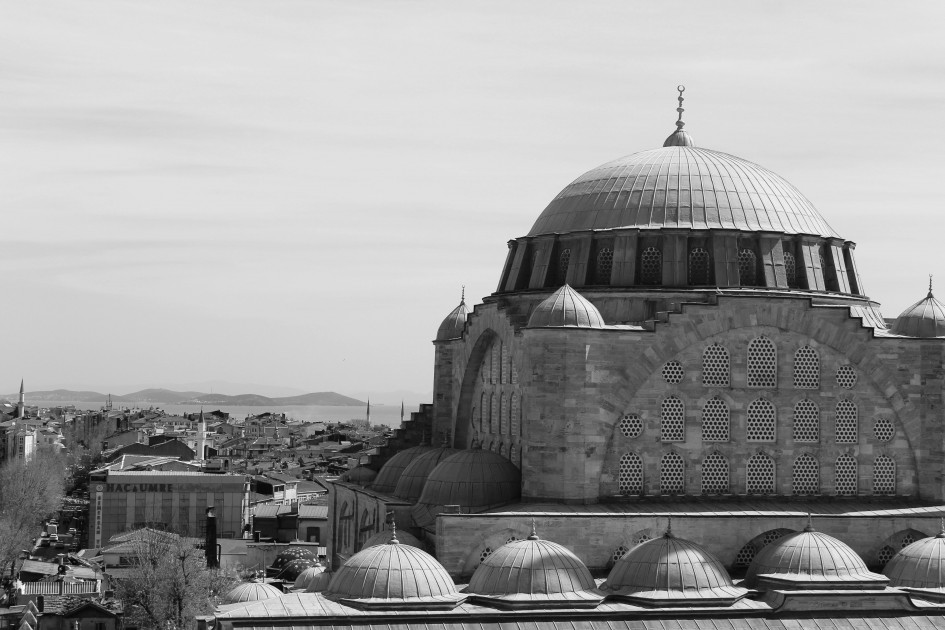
x=170 y=397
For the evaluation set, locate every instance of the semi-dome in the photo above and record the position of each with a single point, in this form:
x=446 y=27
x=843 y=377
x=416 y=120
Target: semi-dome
x=670 y=571
x=565 y=307
x=283 y=558
x=389 y=475
x=393 y=576
x=383 y=537
x=925 y=318
x=251 y=592
x=311 y=577
x=452 y=327
x=474 y=479
x=534 y=573
x=810 y=560
x=919 y=565
x=411 y=482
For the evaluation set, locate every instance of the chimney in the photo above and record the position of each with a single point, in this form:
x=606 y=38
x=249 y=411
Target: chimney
x=256 y=536
x=211 y=543
x=40 y=603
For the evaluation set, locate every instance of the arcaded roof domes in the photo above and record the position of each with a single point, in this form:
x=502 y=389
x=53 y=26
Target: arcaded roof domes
x=925 y=318
x=919 y=565
x=311 y=576
x=534 y=572
x=387 y=478
x=393 y=576
x=452 y=327
x=251 y=592
x=411 y=482
x=474 y=479
x=810 y=560
x=670 y=571
x=294 y=569
x=565 y=307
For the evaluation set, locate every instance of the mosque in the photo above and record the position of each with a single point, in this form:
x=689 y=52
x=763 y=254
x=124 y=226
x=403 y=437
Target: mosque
x=679 y=403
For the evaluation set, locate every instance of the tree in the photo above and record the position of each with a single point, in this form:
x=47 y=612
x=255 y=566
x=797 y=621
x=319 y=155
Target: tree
x=168 y=583
x=29 y=492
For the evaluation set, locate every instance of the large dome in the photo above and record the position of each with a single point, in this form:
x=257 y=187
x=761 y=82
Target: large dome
x=681 y=187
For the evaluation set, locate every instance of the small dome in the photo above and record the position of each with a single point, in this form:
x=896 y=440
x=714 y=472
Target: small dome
x=294 y=569
x=383 y=537
x=251 y=592
x=393 y=576
x=474 y=479
x=670 y=571
x=387 y=478
x=534 y=572
x=565 y=307
x=411 y=482
x=454 y=324
x=319 y=582
x=919 y=565
x=306 y=577
x=361 y=475
x=925 y=318
x=810 y=560
x=290 y=554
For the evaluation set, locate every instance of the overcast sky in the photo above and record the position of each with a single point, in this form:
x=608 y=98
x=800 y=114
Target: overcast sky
x=292 y=193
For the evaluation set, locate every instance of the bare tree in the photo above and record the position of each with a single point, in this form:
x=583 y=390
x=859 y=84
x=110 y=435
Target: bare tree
x=29 y=492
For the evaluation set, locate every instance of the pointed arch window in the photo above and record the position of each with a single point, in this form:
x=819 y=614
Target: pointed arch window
x=715 y=474
x=672 y=474
x=806 y=421
x=747 y=268
x=716 y=421
x=806 y=368
x=846 y=422
x=762 y=363
x=672 y=420
x=651 y=266
x=884 y=475
x=760 y=474
x=605 y=265
x=761 y=422
x=700 y=269
x=790 y=270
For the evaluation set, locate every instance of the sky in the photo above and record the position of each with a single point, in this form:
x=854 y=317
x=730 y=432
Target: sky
x=290 y=194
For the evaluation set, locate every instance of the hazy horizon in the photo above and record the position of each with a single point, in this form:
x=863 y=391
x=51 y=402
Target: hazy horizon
x=293 y=193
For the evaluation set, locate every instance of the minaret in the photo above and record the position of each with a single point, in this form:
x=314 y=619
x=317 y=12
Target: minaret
x=21 y=405
x=202 y=438
x=369 y=411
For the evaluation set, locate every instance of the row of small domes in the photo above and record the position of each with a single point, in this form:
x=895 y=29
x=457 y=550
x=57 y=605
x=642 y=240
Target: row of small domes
x=568 y=308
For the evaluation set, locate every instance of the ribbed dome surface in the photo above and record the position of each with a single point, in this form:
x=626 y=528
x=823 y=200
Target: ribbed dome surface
x=810 y=559
x=534 y=571
x=565 y=307
x=681 y=187
x=309 y=575
x=289 y=555
x=671 y=571
x=925 y=318
x=360 y=475
x=294 y=569
x=251 y=592
x=919 y=565
x=474 y=479
x=411 y=482
x=452 y=327
x=393 y=575
x=383 y=537
x=387 y=478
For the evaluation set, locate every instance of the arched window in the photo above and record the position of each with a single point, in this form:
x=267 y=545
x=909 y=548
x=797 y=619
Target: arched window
x=747 y=268
x=345 y=525
x=884 y=475
x=492 y=412
x=651 y=266
x=672 y=420
x=715 y=474
x=805 y=476
x=564 y=261
x=762 y=363
x=699 y=267
x=716 y=420
x=806 y=421
x=605 y=265
x=503 y=421
x=483 y=414
x=495 y=446
x=845 y=475
x=761 y=424
x=497 y=362
x=672 y=474
x=806 y=368
x=630 y=474
x=790 y=270
x=760 y=474
x=366 y=528
x=514 y=412
x=846 y=422
x=506 y=372
x=503 y=451
x=716 y=366
x=513 y=455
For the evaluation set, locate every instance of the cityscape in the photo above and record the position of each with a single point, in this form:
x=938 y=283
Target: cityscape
x=638 y=392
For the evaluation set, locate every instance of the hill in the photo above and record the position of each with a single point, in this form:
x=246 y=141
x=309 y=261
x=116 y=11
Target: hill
x=170 y=397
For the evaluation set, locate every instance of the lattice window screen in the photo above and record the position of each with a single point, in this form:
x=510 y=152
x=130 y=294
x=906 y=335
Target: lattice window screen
x=760 y=474
x=672 y=420
x=651 y=266
x=845 y=473
x=806 y=421
x=806 y=368
x=884 y=475
x=762 y=363
x=672 y=474
x=716 y=366
x=716 y=421
x=761 y=423
x=846 y=422
x=605 y=265
x=630 y=474
x=715 y=474
x=805 y=476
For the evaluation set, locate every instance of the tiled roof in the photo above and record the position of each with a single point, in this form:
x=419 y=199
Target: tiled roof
x=313 y=511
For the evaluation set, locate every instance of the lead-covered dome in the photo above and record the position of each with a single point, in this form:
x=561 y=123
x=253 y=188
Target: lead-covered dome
x=411 y=482
x=452 y=327
x=919 y=565
x=565 y=307
x=925 y=318
x=313 y=575
x=387 y=478
x=670 y=571
x=393 y=576
x=681 y=187
x=251 y=592
x=383 y=537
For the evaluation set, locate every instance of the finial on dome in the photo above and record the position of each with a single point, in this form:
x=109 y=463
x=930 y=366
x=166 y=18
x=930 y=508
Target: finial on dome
x=679 y=123
x=810 y=524
x=679 y=138
x=393 y=532
x=669 y=527
x=462 y=296
x=930 y=286
x=534 y=534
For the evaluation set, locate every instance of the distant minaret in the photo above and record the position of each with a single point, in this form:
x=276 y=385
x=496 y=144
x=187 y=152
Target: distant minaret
x=369 y=410
x=108 y=403
x=202 y=438
x=21 y=405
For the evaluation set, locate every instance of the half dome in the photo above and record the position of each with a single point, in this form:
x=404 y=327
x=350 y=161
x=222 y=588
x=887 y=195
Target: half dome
x=565 y=307
x=452 y=327
x=475 y=480
x=251 y=592
x=919 y=565
x=670 y=571
x=925 y=318
x=534 y=573
x=411 y=482
x=810 y=560
x=681 y=187
x=390 y=472
x=393 y=576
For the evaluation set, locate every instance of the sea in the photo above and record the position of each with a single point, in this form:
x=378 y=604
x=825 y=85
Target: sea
x=380 y=414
